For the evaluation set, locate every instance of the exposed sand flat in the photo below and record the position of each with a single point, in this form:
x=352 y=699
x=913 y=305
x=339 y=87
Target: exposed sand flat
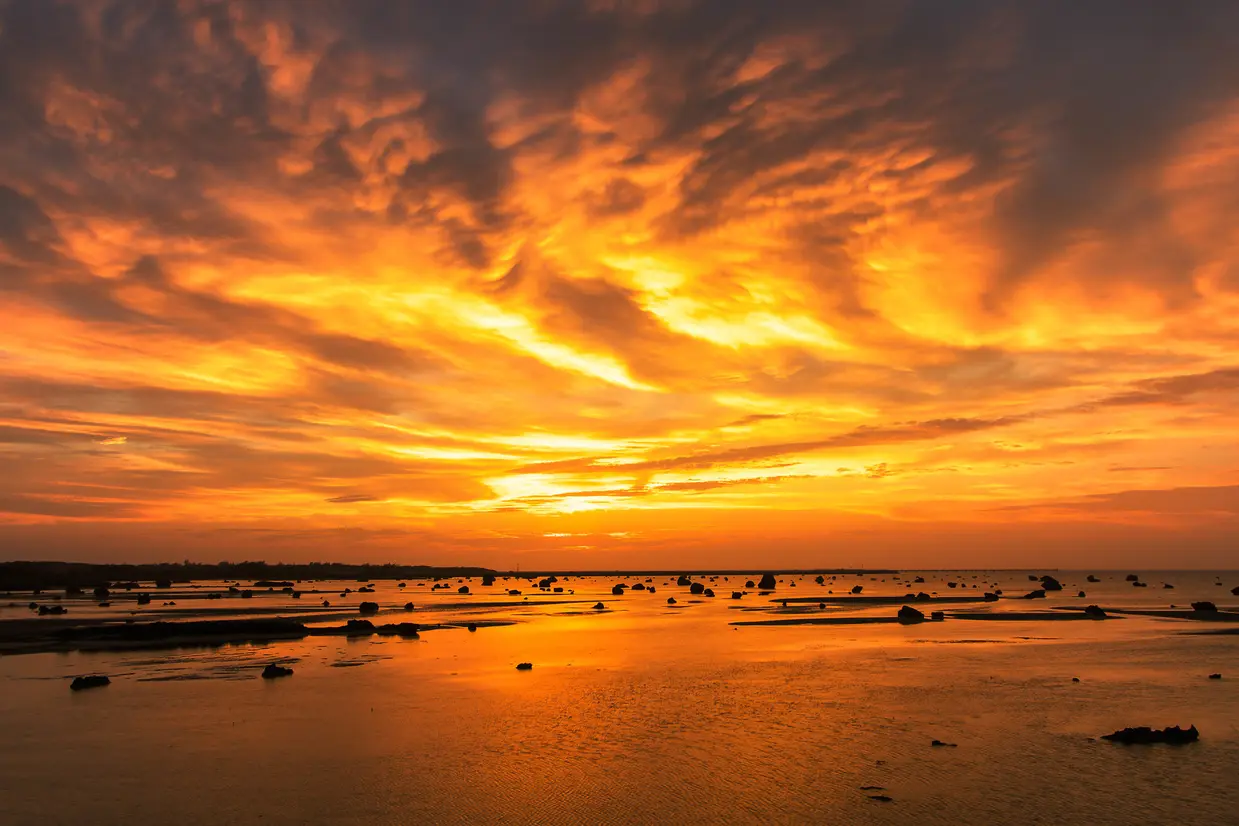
x=1027 y=616
x=810 y=620
x=1171 y=613
x=878 y=600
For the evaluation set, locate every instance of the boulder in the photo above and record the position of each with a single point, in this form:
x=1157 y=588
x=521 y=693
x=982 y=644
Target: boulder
x=1143 y=735
x=359 y=627
x=102 y=593
x=941 y=744
x=1133 y=578
x=473 y=626
x=856 y=589
x=514 y=593
x=919 y=579
x=1092 y=578
x=368 y=609
x=639 y=587
x=1095 y=612
x=952 y=585
x=990 y=596
x=1140 y=585
x=144 y=599
x=908 y=614
x=598 y=606
x=671 y=600
x=767 y=582
x=750 y=584
x=617 y=591
x=1049 y=583
x=488 y=580
x=464 y=589
x=1215 y=676
x=736 y=594
x=524 y=666
x=408 y=630
x=1081 y=595
x=1167 y=585
x=272 y=671
x=709 y=592
x=683 y=581
x=1207 y=607
x=820 y=580
x=54 y=610
x=408 y=606
x=1037 y=594
x=89 y=681
x=163 y=583
x=1235 y=590
x=696 y=588
x=937 y=616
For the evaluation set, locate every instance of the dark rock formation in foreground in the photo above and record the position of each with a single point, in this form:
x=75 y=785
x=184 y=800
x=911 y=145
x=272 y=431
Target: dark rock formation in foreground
x=683 y=581
x=1095 y=612
x=598 y=606
x=1204 y=606
x=1144 y=735
x=1037 y=594
x=908 y=614
x=89 y=681
x=1049 y=583
x=941 y=744
x=671 y=600
x=696 y=588
x=273 y=671
x=524 y=666
x=767 y=582
x=617 y=591
x=1215 y=676
x=368 y=609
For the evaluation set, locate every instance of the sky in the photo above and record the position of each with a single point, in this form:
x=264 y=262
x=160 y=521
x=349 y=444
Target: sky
x=601 y=284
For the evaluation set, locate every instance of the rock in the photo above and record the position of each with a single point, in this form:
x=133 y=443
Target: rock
x=750 y=584
x=821 y=580
x=144 y=599
x=368 y=609
x=1092 y=578
x=215 y=595
x=937 y=616
x=365 y=590
x=638 y=587
x=598 y=606
x=408 y=606
x=408 y=630
x=1032 y=577
x=709 y=592
x=296 y=595
x=1215 y=676
x=908 y=614
x=359 y=627
x=1204 y=606
x=1095 y=612
x=1075 y=679
x=272 y=583
x=617 y=591
x=881 y=798
x=1037 y=594
x=472 y=626
x=1081 y=595
x=683 y=581
x=990 y=596
x=326 y=604
x=402 y=585
x=102 y=593
x=247 y=595
x=952 y=585
x=736 y=594
x=856 y=589
x=54 y=610
x=524 y=666
x=940 y=744
x=696 y=588
x=163 y=583
x=1235 y=590
x=89 y=681
x=919 y=579
x=488 y=580
x=671 y=600
x=272 y=671
x=105 y=604
x=1049 y=583
x=767 y=582
x=1144 y=735
x=1133 y=578
x=514 y=593
x=464 y=589
x=1140 y=585
x=1167 y=585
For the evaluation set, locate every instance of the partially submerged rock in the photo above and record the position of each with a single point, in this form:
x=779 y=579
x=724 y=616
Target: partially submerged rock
x=1143 y=735
x=89 y=681
x=524 y=666
x=1095 y=612
x=273 y=671
x=1049 y=583
x=941 y=744
x=908 y=614
x=1204 y=606
x=697 y=588
x=617 y=591
x=767 y=582
x=598 y=606
x=368 y=609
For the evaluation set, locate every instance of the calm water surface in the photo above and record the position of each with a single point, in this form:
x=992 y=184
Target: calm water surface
x=642 y=713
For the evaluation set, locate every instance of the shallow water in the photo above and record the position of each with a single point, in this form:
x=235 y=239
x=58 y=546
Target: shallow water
x=642 y=712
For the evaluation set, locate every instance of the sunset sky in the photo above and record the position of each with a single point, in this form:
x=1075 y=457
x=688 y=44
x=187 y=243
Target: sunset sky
x=606 y=284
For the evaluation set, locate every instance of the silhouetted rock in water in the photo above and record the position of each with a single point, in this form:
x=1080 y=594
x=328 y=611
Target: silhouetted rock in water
x=1140 y=585
x=1144 y=735
x=683 y=581
x=1095 y=612
x=736 y=595
x=544 y=583
x=232 y=589
x=514 y=593
x=1167 y=585
x=696 y=588
x=272 y=583
x=652 y=589
x=359 y=627
x=368 y=609
x=671 y=600
x=952 y=585
x=89 y=681
x=464 y=589
x=856 y=589
x=1049 y=583
x=750 y=584
x=1133 y=578
x=102 y=593
x=638 y=587
x=919 y=579
x=767 y=582
x=880 y=798
x=1215 y=676
x=163 y=583
x=557 y=590
x=821 y=606
x=908 y=614
x=105 y=604
x=144 y=599
x=1204 y=606
x=1032 y=577
x=158 y=634
x=405 y=585
x=1075 y=679
x=598 y=606
x=472 y=626
x=709 y=592
x=273 y=671
x=1092 y=578
x=791 y=584
x=940 y=744
x=247 y=595
x=1235 y=590
x=295 y=595
x=215 y=595
x=54 y=610
x=990 y=596
x=326 y=604
x=820 y=580
x=408 y=630
x=1037 y=594
x=488 y=580
x=937 y=616
x=365 y=590
x=617 y=591
x=1081 y=595
x=408 y=606
x=524 y=666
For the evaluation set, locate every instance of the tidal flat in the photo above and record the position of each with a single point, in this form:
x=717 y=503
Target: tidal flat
x=802 y=703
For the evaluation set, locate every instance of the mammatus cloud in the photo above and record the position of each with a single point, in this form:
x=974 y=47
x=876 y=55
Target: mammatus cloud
x=898 y=274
